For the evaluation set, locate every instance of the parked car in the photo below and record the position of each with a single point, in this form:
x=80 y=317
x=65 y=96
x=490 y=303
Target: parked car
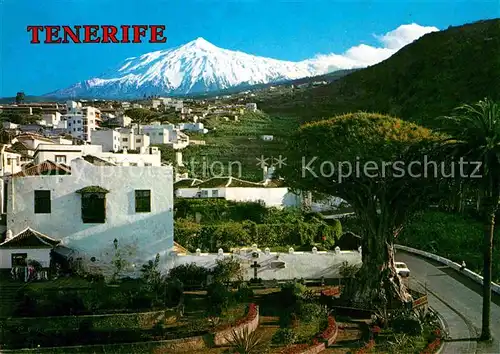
x=402 y=269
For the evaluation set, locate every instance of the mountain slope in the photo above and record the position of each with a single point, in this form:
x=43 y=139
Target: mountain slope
x=421 y=81
x=195 y=67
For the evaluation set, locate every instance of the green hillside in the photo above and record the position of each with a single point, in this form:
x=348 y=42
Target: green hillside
x=423 y=80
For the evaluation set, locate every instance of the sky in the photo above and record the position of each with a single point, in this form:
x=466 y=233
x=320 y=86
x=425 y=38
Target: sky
x=288 y=30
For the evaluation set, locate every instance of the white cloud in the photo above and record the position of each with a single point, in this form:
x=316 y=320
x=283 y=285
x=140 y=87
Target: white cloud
x=365 y=55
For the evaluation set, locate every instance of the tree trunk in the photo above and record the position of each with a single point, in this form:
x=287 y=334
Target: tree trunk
x=491 y=205
x=377 y=284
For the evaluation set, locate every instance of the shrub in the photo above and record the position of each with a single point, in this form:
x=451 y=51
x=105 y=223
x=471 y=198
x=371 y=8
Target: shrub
x=218 y=299
x=244 y=293
x=310 y=312
x=191 y=275
x=227 y=270
x=173 y=292
x=284 y=336
x=291 y=293
x=407 y=325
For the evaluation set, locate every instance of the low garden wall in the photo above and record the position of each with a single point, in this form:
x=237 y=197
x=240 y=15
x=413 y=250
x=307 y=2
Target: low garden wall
x=250 y=322
x=139 y=320
x=156 y=347
x=220 y=337
x=320 y=343
x=474 y=276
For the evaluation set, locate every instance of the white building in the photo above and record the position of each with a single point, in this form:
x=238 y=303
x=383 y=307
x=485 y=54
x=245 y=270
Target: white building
x=238 y=190
x=267 y=137
x=109 y=139
x=252 y=107
x=9 y=125
x=130 y=140
x=193 y=127
x=52 y=119
x=28 y=244
x=88 y=207
x=155 y=103
x=158 y=134
x=64 y=154
x=81 y=121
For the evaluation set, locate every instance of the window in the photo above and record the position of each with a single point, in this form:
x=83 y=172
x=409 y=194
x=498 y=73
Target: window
x=137 y=140
x=19 y=259
x=204 y=193
x=125 y=139
x=69 y=124
x=215 y=193
x=160 y=134
x=79 y=129
x=142 y=201
x=78 y=121
x=93 y=208
x=60 y=158
x=42 y=202
x=148 y=164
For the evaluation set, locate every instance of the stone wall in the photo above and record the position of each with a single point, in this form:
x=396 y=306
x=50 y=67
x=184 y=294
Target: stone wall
x=251 y=323
x=468 y=273
x=139 y=320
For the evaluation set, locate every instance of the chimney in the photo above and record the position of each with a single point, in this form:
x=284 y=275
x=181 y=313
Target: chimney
x=8 y=235
x=125 y=150
x=264 y=173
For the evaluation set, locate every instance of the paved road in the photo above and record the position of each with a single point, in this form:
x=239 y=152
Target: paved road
x=458 y=301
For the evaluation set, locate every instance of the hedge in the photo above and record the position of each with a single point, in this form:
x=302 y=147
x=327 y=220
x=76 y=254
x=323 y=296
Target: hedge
x=211 y=237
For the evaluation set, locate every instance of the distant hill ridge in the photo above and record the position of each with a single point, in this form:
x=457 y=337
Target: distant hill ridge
x=423 y=80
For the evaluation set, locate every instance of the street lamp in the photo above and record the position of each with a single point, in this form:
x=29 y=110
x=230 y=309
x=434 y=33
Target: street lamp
x=115 y=242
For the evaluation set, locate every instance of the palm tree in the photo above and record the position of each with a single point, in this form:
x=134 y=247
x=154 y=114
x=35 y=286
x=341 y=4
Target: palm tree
x=474 y=134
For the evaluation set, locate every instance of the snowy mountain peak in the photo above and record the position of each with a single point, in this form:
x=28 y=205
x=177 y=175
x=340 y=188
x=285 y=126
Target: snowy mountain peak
x=195 y=67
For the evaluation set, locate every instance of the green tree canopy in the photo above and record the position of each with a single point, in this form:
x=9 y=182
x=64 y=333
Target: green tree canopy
x=376 y=164
x=141 y=115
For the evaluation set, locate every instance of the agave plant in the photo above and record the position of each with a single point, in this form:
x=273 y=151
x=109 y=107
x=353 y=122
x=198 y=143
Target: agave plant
x=246 y=342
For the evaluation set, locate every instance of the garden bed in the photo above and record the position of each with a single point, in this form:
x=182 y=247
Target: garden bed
x=157 y=340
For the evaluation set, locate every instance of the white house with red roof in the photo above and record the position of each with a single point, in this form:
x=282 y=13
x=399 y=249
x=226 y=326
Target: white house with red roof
x=91 y=206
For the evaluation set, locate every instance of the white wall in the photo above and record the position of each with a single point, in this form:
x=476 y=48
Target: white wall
x=52 y=119
x=147 y=233
x=307 y=265
x=42 y=255
x=50 y=151
x=110 y=140
x=272 y=197
x=157 y=133
x=186 y=192
x=132 y=159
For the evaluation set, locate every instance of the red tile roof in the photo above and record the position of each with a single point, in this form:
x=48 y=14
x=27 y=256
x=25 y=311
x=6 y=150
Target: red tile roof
x=44 y=168
x=29 y=238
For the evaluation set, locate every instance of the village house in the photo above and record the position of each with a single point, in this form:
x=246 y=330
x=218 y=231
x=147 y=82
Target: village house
x=91 y=209
x=52 y=119
x=81 y=121
x=251 y=107
x=269 y=193
x=119 y=139
x=64 y=154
